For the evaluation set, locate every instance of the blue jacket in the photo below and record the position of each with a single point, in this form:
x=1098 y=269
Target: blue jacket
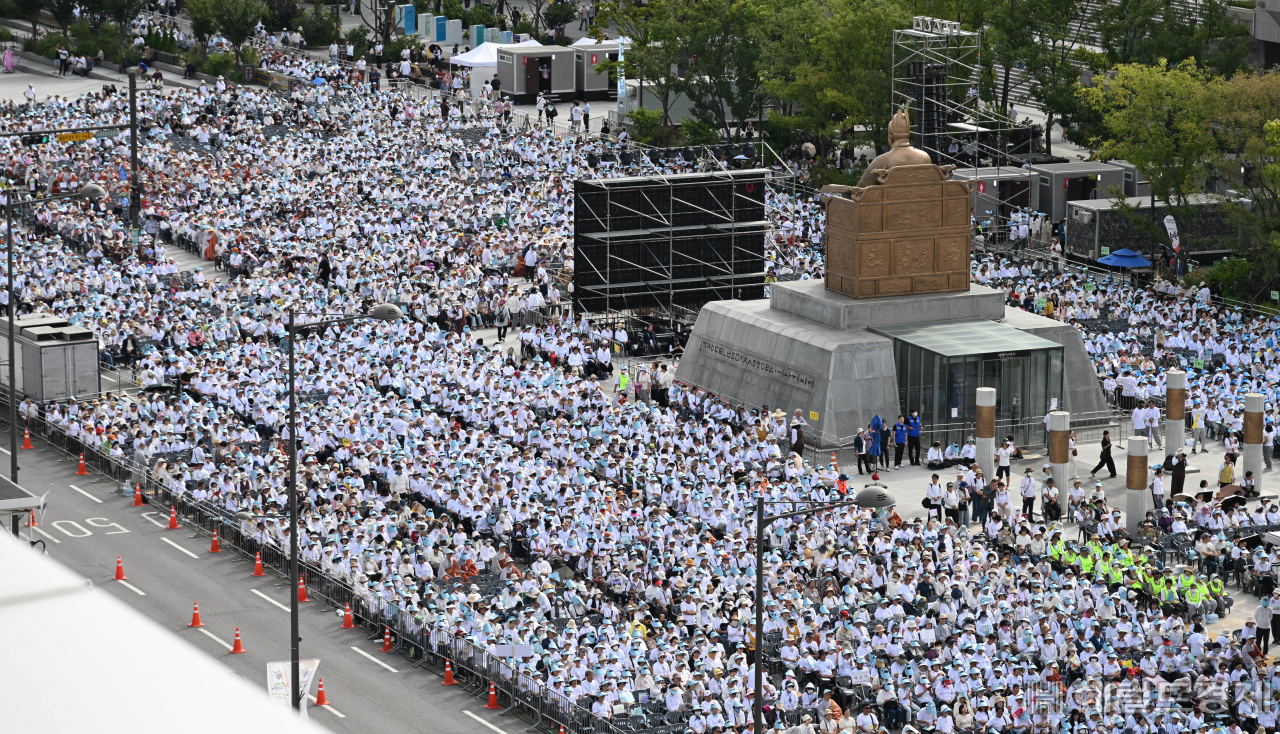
x=913 y=426
x=899 y=433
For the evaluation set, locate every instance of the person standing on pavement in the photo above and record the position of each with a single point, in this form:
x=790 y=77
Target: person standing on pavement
x=1153 y=423
x=1178 y=472
x=1028 y=489
x=913 y=438
x=899 y=440
x=1104 y=457
x=1263 y=616
x=1197 y=426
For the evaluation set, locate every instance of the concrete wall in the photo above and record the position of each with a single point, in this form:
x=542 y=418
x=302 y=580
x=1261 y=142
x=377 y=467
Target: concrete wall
x=745 y=350
x=1081 y=392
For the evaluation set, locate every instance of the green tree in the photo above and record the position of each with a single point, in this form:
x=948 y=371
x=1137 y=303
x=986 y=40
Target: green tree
x=1057 y=30
x=654 y=58
x=1159 y=118
x=1248 y=107
x=1144 y=31
x=237 y=20
x=63 y=12
x=722 y=42
x=826 y=63
x=30 y=9
x=204 y=17
x=120 y=12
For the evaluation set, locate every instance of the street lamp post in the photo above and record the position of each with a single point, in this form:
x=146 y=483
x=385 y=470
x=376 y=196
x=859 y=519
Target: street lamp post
x=871 y=496
x=92 y=192
x=381 y=312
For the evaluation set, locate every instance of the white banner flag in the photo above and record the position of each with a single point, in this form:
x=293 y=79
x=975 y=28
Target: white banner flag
x=278 y=679
x=1172 y=228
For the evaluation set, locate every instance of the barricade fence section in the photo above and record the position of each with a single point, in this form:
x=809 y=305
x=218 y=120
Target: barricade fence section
x=421 y=637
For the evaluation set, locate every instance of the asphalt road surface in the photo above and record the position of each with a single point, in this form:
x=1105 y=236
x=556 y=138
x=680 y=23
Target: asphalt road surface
x=88 y=523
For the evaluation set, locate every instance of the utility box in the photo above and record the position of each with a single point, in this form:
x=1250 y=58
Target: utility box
x=589 y=83
x=1058 y=183
x=525 y=71
x=55 y=360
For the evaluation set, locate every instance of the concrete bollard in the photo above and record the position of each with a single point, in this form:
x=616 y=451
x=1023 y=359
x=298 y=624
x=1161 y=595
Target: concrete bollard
x=985 y=432
x=1060 y=455
x=1251 y=451
x=1175 y=412
x=1138 y=494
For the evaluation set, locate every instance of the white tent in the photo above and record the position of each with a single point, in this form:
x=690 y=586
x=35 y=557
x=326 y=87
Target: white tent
x=589 y=41
x=486 y=54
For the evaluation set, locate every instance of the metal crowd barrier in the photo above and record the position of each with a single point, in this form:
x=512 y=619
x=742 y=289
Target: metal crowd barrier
x=425 y=644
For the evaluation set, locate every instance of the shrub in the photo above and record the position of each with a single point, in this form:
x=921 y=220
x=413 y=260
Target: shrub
x=220 y=64
x=249 y=56
x=318 y=28
x=698 y=132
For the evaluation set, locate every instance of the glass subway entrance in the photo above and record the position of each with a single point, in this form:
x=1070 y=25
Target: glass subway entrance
x=941 y=366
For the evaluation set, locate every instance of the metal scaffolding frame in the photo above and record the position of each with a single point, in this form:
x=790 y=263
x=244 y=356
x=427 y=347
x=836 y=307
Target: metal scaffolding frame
x=937 y=69
x=668 y=243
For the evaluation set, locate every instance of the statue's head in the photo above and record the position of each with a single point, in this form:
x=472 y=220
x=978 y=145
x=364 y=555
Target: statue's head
x=900 y=128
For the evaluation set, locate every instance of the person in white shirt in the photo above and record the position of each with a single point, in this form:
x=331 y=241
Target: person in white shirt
x=1027 y=489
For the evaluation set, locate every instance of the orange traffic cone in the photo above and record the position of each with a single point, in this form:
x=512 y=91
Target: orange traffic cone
x=448 y=675
x=236 y=647
x=347 y=622
x=26 y=439
x=320 y=697
x=215 y=548
x=195 y=617
x=120 y=570
x=81 y=470
x=493 y=697
x=173 y=517
x=137 y=496
x=31 y=520
x=302 y=591
x=386 y=640
x=257 y=564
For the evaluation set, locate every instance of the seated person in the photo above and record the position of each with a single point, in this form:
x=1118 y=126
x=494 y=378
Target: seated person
x=936 y=458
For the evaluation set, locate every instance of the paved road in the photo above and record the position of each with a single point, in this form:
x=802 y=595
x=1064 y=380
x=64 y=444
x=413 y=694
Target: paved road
x=87 y=525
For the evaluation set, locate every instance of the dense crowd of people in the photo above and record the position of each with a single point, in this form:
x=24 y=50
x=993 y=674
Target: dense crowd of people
x=615 y=507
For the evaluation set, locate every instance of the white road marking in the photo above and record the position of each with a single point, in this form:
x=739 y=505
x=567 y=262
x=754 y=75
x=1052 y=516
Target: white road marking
x=130 y=586
x=50 y=537
x=214 y=638
x=273 y=601
x=152 y=517
x=332 y=710
x=379 y=662
x=482 y=721
x=6 y=451
x=86 y=494
x=184 y=550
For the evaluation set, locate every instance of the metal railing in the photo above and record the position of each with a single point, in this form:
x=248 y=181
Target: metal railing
x=416 y=634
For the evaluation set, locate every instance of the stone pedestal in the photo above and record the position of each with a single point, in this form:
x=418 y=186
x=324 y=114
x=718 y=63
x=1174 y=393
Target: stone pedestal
x=815 y=350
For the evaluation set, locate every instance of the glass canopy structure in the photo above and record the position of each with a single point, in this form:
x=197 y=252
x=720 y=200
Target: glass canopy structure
x=941 y=366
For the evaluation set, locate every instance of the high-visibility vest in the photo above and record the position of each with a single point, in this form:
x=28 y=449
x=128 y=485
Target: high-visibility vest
x=1215 y=586
x=1186 y=580
x=1157 y=586
x=1193 y=595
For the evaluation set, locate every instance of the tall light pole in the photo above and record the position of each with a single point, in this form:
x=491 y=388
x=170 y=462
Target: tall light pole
x=871 y=496
x=92 y=192
x=381 y=312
